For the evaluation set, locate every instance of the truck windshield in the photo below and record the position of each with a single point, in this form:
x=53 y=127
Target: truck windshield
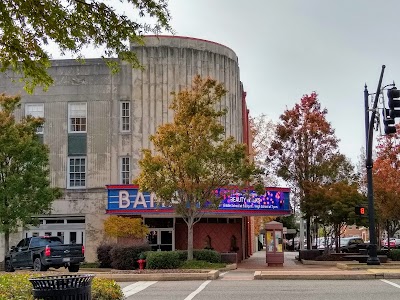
x=43 y=241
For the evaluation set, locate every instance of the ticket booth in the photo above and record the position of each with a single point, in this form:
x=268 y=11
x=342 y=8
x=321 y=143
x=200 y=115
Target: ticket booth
x=274 y=244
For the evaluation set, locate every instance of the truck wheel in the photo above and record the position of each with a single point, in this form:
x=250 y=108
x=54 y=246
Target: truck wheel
x=73 y=268
x=38 y=266
x=8 y=266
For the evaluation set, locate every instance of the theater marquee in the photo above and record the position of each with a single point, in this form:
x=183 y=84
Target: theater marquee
x=127 y=199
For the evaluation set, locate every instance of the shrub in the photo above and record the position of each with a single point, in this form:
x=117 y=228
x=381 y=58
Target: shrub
x=182 y=254
x=104 y=255
x=106 y=289
x=394 y=254
x=163 y=260
x=125 y=257
x=207 y=255
x=17 y=286
x=211 y=256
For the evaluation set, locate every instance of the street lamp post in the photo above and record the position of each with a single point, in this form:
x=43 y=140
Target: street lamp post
x=369 y=127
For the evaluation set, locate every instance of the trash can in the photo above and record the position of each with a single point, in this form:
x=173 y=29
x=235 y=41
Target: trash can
x=63 y=287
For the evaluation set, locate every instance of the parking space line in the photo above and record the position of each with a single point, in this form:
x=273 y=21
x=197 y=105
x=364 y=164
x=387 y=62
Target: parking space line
x=136 y=287
x=200 y=288
x=391 y=283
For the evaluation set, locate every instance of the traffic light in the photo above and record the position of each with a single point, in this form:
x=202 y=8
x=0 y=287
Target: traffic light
x=393 y=112
x=388 y=122
x=360 y=210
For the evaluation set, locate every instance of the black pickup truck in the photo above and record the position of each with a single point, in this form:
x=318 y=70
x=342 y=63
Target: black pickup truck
x=41 y=253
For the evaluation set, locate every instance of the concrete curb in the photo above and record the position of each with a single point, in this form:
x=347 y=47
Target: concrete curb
x=260 y=275
x=318 y=263
x=364 y=266
x=120 y=277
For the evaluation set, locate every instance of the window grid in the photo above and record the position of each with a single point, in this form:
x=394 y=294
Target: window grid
x=37 y=111
x=125 y=170
x=77 y=172
x=77 y=117
x=125 y=116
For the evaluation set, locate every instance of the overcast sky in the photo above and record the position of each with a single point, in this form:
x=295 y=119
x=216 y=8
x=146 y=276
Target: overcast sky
x=288 y=48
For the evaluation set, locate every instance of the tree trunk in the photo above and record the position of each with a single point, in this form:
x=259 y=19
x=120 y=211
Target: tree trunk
x=388 y=234
x=190 y=238
x=309 y=240
x=6 y=241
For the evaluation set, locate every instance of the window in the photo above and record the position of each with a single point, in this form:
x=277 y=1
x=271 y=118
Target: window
x=125 y=170
x=125 y=114
x=35 y=110
x=76 y=172
x=77 y=117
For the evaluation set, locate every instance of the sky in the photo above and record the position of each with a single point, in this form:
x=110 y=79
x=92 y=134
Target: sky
x=289 y=48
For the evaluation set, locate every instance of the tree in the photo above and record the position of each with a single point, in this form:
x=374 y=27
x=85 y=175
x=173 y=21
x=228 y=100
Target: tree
x=333 y=205
x=24 y=170
x=26 y=28
x=192 y=158
x=386 y=174
x=263 y=130
x=118 y=226
x=304 y=149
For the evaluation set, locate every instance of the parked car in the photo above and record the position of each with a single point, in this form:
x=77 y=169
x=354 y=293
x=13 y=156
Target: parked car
x=41 y=253
x=394 y=243
x=352 y=244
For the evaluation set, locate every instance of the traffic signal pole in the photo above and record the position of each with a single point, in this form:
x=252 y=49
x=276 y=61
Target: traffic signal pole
x=369 y=127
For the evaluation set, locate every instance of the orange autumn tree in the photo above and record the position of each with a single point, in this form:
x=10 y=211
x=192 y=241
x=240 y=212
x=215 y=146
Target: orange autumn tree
x=304 y=150
x=386 y=180
x=117 y=226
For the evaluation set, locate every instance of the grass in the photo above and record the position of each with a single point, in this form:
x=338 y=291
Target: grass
x=201 y=264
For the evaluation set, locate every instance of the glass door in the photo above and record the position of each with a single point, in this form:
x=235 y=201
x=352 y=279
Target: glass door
x=166 y=239
x=161 y=239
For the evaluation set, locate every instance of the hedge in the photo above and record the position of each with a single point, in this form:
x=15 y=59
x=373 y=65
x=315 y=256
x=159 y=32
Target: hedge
x=163 y=260
x=126 y=257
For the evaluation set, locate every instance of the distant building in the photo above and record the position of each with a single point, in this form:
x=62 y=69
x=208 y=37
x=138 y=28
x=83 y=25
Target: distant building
x=359 y=231
x=97 y=123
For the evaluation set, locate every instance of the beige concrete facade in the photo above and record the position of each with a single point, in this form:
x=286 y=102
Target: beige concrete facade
x=170 y=63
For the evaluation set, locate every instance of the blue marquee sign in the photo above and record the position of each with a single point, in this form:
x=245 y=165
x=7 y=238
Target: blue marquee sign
x=127 y=199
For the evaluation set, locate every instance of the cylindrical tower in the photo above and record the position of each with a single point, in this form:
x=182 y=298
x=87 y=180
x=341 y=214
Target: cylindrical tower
x=170 y=64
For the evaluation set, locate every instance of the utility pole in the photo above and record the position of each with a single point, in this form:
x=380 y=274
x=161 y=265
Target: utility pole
x=369 y=127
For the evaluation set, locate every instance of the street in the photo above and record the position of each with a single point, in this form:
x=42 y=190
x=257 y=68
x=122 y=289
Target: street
x=229 y=288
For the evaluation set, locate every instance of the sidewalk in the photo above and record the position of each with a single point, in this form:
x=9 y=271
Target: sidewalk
x=294 y=269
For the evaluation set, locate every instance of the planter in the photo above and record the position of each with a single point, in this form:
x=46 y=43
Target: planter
x=229 y=257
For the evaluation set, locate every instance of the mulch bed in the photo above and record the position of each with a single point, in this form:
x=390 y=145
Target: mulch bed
x=149 y=271
x=330 y=257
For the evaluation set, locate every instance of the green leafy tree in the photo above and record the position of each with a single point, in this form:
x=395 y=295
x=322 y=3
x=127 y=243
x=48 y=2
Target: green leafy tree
x=333 y=206
x=24 y=172
x=192 y=158
x=26 y=27
x=305 y=149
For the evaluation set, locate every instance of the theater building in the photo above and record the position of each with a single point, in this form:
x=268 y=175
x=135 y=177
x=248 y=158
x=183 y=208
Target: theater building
x=96 y=124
